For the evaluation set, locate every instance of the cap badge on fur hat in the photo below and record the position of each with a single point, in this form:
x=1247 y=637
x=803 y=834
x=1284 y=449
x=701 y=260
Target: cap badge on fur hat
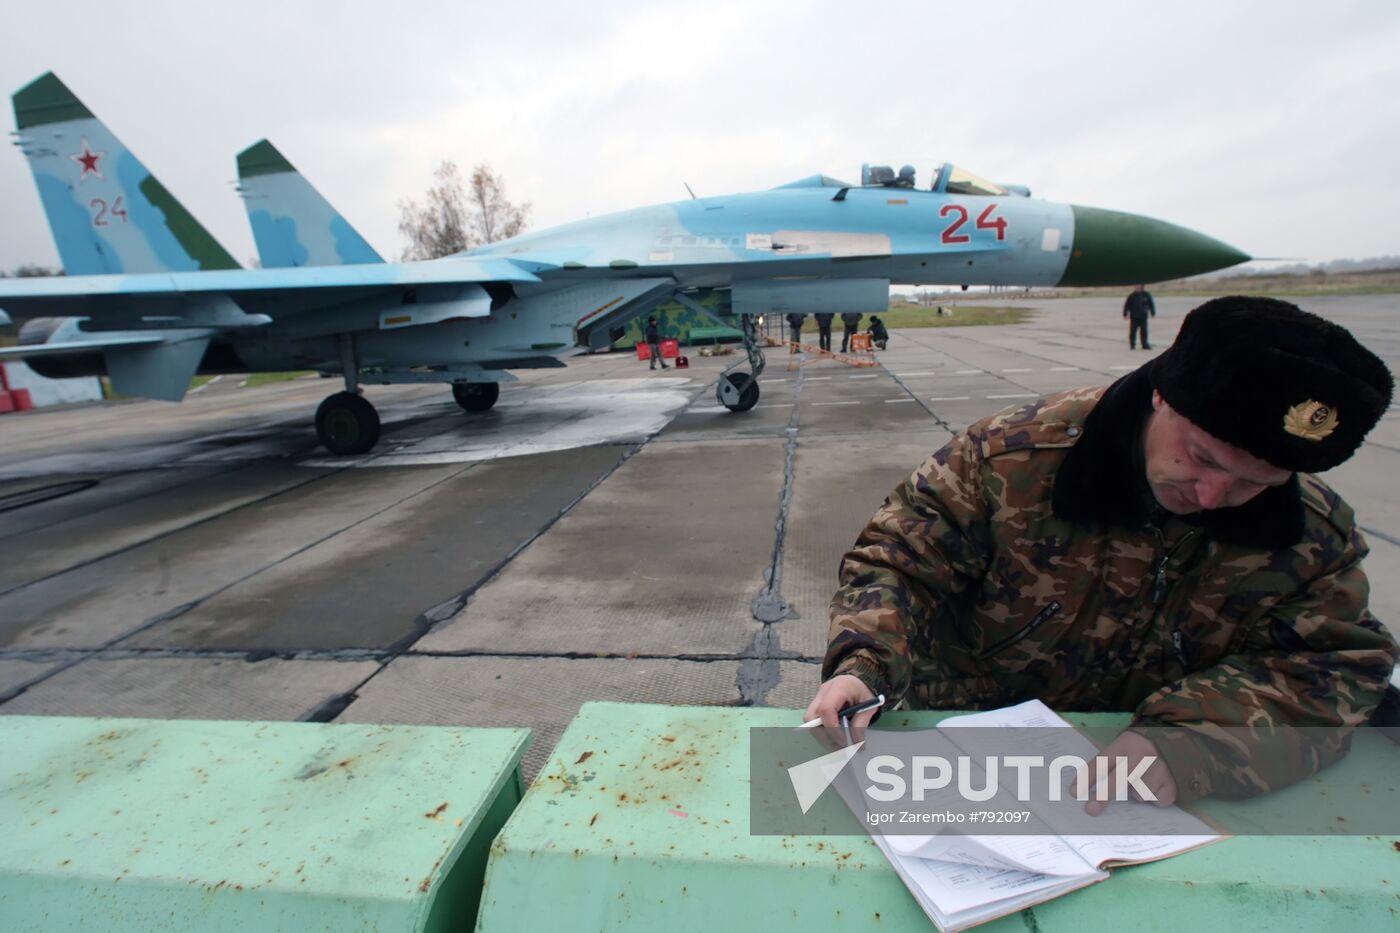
x=1240 y=362
x=1311 y=420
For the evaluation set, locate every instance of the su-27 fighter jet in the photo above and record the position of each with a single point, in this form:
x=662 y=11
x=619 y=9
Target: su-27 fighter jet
x=150 y=298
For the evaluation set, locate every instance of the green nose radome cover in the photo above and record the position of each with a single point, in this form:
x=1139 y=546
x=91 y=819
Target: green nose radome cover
x=1116 y=248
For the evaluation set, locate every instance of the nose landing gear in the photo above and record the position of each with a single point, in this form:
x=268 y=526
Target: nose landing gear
x=737 y=391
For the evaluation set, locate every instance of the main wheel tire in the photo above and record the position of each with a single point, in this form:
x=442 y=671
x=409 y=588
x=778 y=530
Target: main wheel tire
x=748 y=391
x=347 y=424
x=476 y=396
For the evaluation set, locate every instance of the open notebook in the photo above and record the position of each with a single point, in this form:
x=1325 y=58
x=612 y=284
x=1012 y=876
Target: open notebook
x=962 y=880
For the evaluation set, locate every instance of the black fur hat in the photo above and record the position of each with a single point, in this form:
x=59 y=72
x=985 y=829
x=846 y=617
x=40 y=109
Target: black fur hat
x=1287 y=386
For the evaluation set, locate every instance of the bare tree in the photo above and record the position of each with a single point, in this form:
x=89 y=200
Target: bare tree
x=438 y=228
x=495 y=217
x=456 y=217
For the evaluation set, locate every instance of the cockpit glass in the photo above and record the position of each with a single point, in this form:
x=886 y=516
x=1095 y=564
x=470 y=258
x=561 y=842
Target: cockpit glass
x=961 y=181
x=931 y=176
x=888 y=176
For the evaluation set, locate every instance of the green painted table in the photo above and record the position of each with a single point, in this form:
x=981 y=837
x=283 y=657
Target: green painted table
x=133 y=824
x=640 y=822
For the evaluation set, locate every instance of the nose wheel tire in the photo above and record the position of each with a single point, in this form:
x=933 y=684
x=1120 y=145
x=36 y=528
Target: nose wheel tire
x=737 y=391
x=347 y=424
x=476 y=396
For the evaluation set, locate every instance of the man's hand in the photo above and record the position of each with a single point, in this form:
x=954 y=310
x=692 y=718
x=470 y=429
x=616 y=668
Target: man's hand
x=1132 y=748
x=836 y=694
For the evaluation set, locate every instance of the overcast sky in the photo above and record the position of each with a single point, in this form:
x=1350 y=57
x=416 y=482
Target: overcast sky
x=1270 y=125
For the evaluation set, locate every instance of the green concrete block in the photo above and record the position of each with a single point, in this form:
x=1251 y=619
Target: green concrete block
x=713 y=334
x=140 y=825
x=640 y=822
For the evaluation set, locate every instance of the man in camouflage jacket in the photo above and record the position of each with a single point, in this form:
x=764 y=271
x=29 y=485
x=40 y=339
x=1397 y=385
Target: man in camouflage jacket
x=1105 y=549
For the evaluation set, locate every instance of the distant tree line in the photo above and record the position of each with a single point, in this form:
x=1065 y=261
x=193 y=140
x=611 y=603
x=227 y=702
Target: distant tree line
x=1373 y=264
x=30 y=271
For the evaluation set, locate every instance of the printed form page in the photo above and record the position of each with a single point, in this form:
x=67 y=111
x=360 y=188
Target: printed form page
x=1128 y=831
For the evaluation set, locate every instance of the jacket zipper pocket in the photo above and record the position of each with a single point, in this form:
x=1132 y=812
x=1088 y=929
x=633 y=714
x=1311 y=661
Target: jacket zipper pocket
x=1159 y=575
x=1040 y=619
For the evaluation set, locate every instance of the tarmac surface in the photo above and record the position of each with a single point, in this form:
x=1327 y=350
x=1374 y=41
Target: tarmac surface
x=605 y=532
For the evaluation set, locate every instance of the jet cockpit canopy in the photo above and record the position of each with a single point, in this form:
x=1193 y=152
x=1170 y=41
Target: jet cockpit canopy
x=946 y=178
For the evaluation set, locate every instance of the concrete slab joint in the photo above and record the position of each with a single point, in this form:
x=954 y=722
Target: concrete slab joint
x=759 y=672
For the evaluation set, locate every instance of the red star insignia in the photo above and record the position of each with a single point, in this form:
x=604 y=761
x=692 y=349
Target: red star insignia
x=88 y=160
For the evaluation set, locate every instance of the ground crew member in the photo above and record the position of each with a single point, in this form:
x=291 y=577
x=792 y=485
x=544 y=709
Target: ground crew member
x=795 y=321
x=1136 y=309
x=824 y=331
x=654 y=342
x=1158 y=545
x=879 y=336
x=850 y=323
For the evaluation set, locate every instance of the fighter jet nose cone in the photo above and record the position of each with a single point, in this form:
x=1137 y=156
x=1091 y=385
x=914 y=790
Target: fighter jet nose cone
x=1114 y=248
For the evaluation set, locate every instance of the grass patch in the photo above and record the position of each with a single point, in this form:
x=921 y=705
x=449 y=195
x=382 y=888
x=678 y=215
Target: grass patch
x=262 y=379
x=958 y=316
x=1370 y=282
x=255 y=379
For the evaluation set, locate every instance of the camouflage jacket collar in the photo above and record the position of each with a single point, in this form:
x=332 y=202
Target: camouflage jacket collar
x=1101 y=481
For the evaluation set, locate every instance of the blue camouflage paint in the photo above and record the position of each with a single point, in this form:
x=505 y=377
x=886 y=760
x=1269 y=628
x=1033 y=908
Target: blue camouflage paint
x=115 y=217
x=903 y=239
x=151 y=221
x=80 y=249
x=349 y=245
x=278 y=246
x=293 y=224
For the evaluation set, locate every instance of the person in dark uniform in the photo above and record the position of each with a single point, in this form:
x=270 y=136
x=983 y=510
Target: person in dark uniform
x=795 y=321
x=654 y=342
x=850 y=323
x=879 y=336
x=1201 y=461
x=1136 y=309
x=824 y=331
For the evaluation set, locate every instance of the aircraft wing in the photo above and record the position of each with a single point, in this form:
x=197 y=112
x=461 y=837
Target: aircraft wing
x=30 y=351
x=273 y=292
x=157 y=365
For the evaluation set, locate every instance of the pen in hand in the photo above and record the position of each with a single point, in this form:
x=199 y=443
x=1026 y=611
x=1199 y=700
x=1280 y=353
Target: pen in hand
x=847 y=712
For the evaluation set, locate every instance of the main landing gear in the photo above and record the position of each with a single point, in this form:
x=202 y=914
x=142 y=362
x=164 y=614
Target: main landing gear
x=476 y=396
x=346 y=422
